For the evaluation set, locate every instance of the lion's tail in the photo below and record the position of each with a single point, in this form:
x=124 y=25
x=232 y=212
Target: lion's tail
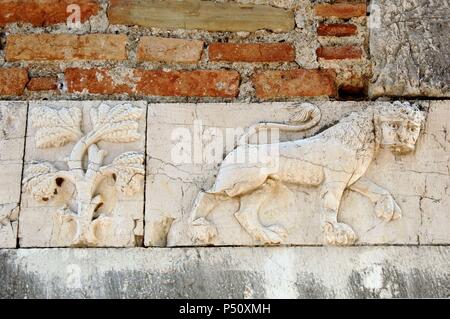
x=307 y=117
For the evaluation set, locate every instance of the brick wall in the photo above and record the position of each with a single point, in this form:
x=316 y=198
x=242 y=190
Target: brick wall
x=189 y=51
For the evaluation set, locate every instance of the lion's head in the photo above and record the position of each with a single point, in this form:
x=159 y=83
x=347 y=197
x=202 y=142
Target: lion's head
x=398 y=126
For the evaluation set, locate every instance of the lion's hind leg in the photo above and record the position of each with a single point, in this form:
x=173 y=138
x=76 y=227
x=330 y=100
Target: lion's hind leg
x=203 y=231
x=248 y=216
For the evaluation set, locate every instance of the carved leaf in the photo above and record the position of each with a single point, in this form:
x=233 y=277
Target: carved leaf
x=128 y=171
x=56 y=127
x=118 y=124
x=40 y=181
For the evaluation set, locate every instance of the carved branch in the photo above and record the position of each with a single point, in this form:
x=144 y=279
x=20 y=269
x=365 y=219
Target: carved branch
x=75 y=161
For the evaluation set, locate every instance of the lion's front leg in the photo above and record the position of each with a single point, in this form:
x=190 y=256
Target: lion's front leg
x=385 y=206
x=336 y=233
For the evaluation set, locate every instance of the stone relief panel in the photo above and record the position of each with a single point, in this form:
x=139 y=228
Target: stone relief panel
x=334 y=173
x=83 y=175
x=13 y=117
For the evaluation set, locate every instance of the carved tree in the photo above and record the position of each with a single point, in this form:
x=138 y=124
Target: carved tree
x=56 y=128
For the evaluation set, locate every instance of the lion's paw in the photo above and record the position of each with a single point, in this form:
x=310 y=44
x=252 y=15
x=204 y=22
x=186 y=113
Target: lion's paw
x=203 y=231
x=387 y=209
x=339 y=234
x=271 y=235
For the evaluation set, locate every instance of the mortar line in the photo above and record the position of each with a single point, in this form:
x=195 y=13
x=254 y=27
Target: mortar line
x=145 y=175
x=260 y=247
x=22 y=173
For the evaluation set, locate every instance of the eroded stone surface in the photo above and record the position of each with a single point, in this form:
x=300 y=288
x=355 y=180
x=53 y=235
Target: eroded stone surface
x=294 y=272
x=383 y=201
x=433 y=171
x=84 y=174
x=195 y=14
x=12 y=132
x=169 y=50
x=409 y=47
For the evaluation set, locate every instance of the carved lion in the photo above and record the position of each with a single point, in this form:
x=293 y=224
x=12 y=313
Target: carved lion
x=332 y=161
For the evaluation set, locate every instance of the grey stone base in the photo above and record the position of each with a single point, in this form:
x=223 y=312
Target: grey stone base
x=292 y=272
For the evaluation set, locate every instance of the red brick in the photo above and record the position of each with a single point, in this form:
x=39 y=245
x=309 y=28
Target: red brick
x=337 y=30
x=13 y=81
x=169 y=50
x=43 y=84
x=341 y=10
x=295 y=83
x=43 y=12
x=65 y=47
x=98 y=81
x=201 y=83
x=251 y=52
x=339 y=53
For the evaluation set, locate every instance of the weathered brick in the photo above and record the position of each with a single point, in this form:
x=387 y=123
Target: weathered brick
x=153 y=82
x=169 y=50
x=339 y=53
x=294 y=83
x=251 y=52
x=98 y=81
x=43 y=84
x=13 y=81
x=202 y=83
x=43 y=12
x=52 y=47
x=337 y=30
x=341 y=10
x=197 y=14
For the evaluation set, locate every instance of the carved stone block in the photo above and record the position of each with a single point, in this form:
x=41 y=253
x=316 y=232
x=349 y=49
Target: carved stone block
x=334 y=173
x=409 y=48
x=12 y=132
x=83 y=174
x=240 y=272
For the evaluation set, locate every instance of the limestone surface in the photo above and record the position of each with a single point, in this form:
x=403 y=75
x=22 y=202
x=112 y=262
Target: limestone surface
x=409 y=47
x=83 y=175
x=13 y=117
x=240 y=272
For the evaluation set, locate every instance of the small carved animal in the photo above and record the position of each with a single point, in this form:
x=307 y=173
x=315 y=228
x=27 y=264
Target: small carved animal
x=333 y=161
